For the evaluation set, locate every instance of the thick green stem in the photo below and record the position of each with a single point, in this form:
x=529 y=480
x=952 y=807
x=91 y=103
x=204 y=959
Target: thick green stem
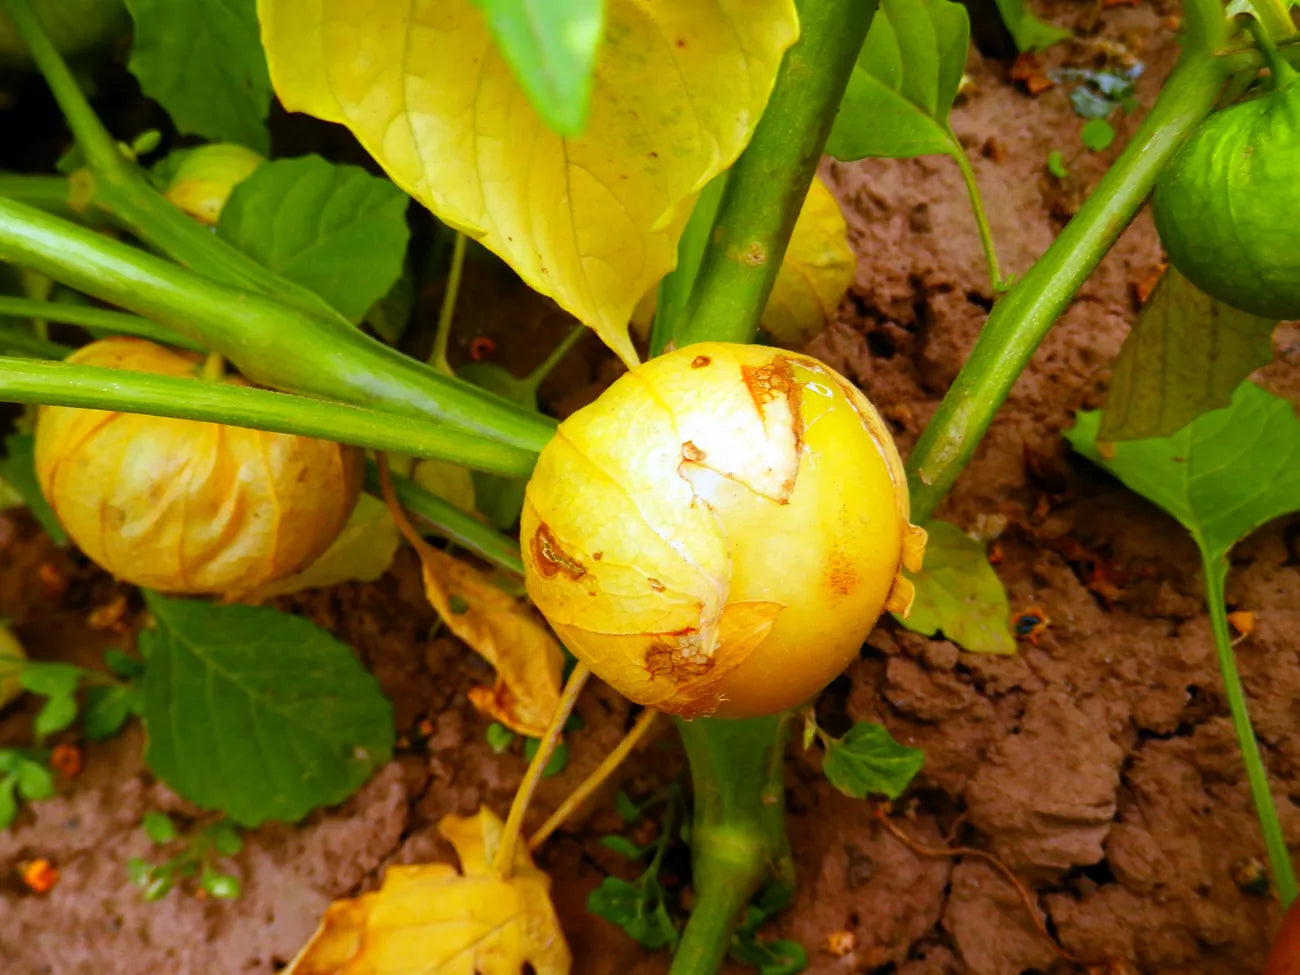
x=1020 y=321
x=272 y=344
x=24 y=343
x=738 y=838
x=449 y=521
x=1279 y=859
x=121 y=190
x=51 y=193
x=97 y=388
x=97 y=319
x=769 y=181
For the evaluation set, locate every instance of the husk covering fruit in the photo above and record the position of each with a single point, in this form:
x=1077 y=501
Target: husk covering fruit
x=719 y=531
x=206 y=177
x=185 y=506
x=1227 y=204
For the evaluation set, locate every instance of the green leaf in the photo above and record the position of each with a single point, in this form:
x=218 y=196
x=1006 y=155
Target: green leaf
x=1056 y=164
x=868 y=760
x=18 y=469
x=334 y=229
x=391 y=315
x=1097 y=134
x=221 y=885
x=225 y=838
x=902 y=88
x=34 y=780
x=958 y=593
x=59 y=711
x=628 y=809
x=107 y=709
x=1027 y=31
x=623 y=846
x=203 y=63
x=123 y=665
x=783 y=957
x=1222 y=476
x=257 y=713
x=50 y=679
x=158 y=827
x=1185 y=355
x=551 y=49
x=637 y=908
x=498 y=737
x=8 y=801
x=559 y=757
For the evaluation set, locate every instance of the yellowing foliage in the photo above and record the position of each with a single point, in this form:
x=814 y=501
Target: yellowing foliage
x=428 y=919
x=592 y=220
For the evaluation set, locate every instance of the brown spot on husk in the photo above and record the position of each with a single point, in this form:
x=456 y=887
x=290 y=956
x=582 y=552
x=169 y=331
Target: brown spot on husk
x=550 y=558
x=692 y=453
x=700 y=361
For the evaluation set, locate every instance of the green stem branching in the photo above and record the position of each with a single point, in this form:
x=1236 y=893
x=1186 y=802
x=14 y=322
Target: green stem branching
x=769 y=182
x=1019 y=322
x=97 y=388
x=100 y=320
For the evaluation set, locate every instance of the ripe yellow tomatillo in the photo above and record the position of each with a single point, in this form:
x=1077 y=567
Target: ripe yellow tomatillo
x=186 y=506
x=719 y=531
x=206 y=177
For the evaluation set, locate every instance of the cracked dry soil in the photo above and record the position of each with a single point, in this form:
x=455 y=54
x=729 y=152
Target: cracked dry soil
x=1099 y=764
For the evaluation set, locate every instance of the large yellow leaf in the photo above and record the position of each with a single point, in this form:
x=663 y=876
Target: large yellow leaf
x=817 y=270
x=429 y=919
x=592 y=221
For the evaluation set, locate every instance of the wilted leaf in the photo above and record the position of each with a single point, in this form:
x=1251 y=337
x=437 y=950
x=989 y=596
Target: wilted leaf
x=552 y=50
x=429 y=919
x=257 y=713
x=592 y=220
x=362 y=552
x=1186 y=353
x=1027 y=31
x=204 y=64
x=1222 y=475
x=868 y=760
x=18 y=469
x=958 y=593
x=901 y=90
x=501 y=629
x=817 y=270
x=334 y=229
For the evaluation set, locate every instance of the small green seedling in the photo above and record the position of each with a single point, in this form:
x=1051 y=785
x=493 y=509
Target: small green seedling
x=194 y=863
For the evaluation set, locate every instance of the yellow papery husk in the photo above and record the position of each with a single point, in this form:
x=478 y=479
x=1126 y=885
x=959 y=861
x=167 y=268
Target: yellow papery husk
x=184 y=506
x=718 y=532
x=428 y=918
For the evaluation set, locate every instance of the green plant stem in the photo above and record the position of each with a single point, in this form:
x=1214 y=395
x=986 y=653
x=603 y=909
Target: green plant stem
x=981 y=217
x=24 y=343
x=1274 y=17
x=1280 y=71
x=1216 y=572
x=1020 y=320
x=272 y=344
x=438 y=357
x=98 y=319
x=50 y=193
x=450 y=522
x=538 y=376
x=738 y=838
x=121 y=190
x=97 y=388
x=769 y=181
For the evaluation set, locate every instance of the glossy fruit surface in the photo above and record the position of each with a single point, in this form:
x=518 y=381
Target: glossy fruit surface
x=1228 y=205
x=719 y=531
x=206 y=176
x=185 y=506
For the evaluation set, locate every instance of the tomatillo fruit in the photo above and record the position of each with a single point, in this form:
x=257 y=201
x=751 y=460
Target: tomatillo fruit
x=718 y=532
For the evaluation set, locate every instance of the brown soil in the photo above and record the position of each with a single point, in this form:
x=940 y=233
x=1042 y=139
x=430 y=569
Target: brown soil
x=1098 y=763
